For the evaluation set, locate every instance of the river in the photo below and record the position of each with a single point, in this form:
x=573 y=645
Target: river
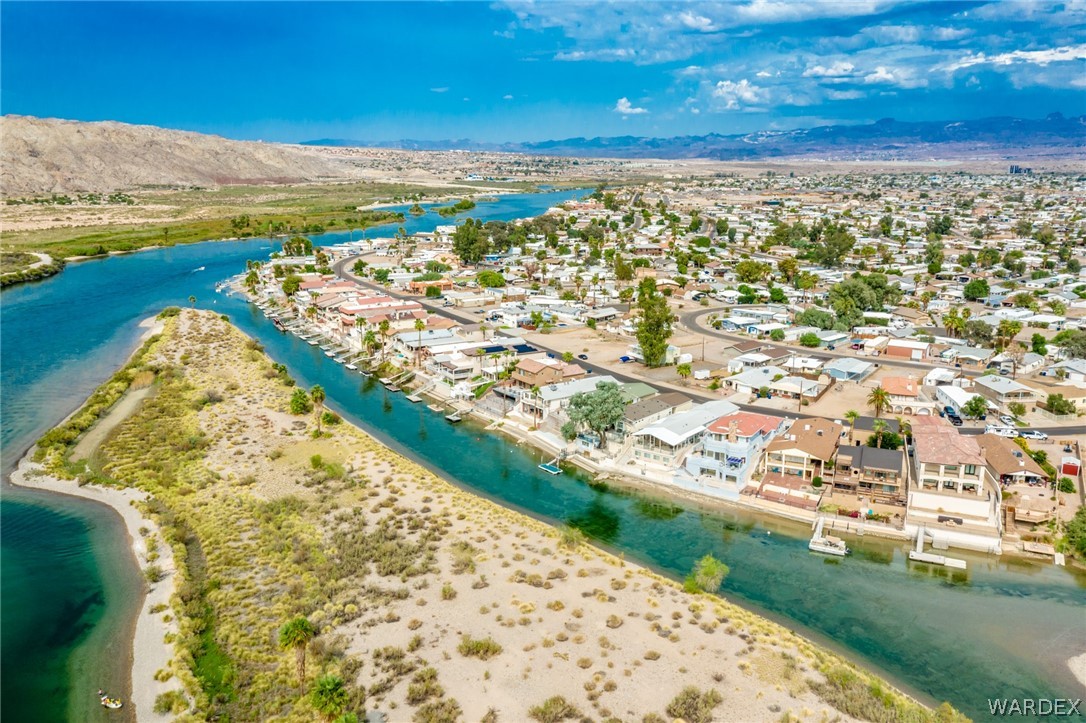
x=1003 y=629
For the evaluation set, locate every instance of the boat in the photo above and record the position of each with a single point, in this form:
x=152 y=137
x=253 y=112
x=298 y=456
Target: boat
x=279 y=325
x=107 y=702
x=551 y=467
x=826 y=544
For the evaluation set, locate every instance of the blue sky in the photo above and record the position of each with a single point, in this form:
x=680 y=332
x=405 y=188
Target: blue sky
x=510 y=71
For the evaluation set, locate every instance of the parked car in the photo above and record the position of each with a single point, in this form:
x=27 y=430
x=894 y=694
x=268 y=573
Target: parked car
x=582 y=357
x=1033 y=434
x=625 y=359
x=1009 y=421
x=955 y=420
x=950 y=411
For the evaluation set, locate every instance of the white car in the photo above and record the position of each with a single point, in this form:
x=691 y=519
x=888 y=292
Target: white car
x=1033 y=434
x=1009 y=421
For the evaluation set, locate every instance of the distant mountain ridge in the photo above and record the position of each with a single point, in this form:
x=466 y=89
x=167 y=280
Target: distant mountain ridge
x=1054 y=135
x=49 y=155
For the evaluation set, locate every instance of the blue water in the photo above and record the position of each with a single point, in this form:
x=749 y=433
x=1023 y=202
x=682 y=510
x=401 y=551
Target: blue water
x=1002 y=629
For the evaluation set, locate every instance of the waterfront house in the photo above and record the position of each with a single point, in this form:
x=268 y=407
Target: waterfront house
x=879 y=474
x=650 y=410
x=732 y=447
x=539 y=372
x=553 y=398
x=804 y=451
x=665 y=442
x=953 y=497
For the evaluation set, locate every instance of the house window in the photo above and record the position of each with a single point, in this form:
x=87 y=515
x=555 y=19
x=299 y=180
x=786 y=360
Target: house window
x=949 y=484
x=970 y=469
x=951 y=468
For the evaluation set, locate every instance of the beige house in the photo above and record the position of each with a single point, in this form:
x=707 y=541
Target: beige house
x=804 y=450
x=953 y=498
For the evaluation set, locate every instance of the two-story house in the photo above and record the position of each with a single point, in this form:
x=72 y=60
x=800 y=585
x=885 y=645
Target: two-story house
x=953 y=498
x=531 y=373
x=732 y=447
x=804 y=451
x=880 y=474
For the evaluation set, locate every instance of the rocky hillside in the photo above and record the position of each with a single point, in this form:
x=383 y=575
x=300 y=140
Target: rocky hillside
x=46 y=155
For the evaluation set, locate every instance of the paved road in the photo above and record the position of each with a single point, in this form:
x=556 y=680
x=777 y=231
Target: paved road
x=342 y=269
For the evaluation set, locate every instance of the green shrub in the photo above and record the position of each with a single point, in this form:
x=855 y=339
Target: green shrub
x=423 y=687
x=483 y=648
x=445 y=710
x=553 y=710
x=172 y=701
x=299 y=402
x=693 y=705
x=1066 y=484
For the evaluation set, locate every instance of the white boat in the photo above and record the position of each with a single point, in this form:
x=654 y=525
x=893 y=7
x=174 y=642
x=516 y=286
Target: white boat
x=826 y=544
x=352 y=367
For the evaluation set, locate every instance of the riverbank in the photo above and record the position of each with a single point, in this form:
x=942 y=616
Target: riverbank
x=397 y=568
x=148 y=653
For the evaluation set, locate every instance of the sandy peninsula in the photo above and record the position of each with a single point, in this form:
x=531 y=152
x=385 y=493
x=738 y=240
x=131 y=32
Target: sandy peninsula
x=429 y=603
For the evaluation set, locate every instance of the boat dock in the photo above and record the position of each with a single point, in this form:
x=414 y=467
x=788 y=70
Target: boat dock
x=918 y=555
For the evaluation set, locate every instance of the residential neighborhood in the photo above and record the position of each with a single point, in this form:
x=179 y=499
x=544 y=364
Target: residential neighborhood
x=873 y=348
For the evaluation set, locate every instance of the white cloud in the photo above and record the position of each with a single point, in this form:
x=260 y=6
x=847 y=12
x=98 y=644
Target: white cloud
x=845 y=94
x=735 y=96
x=900 y=77
x=697 y=22
x=839 y=69
x=1034 y=57
x=624 y=107
x=439 y=90
x=507 y=97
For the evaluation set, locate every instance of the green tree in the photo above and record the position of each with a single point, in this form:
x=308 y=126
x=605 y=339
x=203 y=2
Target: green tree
x=567 y=357
x=851 y=415
x=751 y=272
x=1017 y=409
x=879 y=400
x=683 y=370
x=329 y=697
x=298 y=246
x=296 y=635
x=879 y=428
x=192 y=301
x=420 y=326
x=976 y=290
x=654 y=326
x=291 y=284
x=318 y=397
x=299 y=402
x=1038 y=344
x=470 y=243
x=817 y=318
x=975 y=408
x=599 y=410
x=490 y=279
x=788 y=267
x=1057 y=404
x=251 y=280
x=1006 y=331
x=708 y=575
x=810 y=339
x=777 y=335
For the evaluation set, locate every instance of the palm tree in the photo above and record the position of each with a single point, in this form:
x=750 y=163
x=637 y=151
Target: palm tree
x=683 y=371
x=879 y=399
x=192 y=301
x=251 y=280
x=369 y=341
x=329 y=696
x=296 y=634
x=383 y=327
x=851 y=415
x=904 y=427
x=419 y=326
x=953 y=322
x=317 y=395
x=879 y=428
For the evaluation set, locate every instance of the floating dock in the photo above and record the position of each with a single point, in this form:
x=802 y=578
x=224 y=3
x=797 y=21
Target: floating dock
x=918 y=555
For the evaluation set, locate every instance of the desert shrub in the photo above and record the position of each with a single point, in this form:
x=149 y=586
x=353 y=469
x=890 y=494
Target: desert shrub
x=423 y=687
x=693 y=705
x=172 y=701
x=445 y=710
x=571 y=539
x=482 y=648
x=553 y=710
x=448 y=592
x=154 y=573
x=463 y=554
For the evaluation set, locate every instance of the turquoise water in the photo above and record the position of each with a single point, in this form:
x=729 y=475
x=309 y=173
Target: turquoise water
x=1000 y=630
